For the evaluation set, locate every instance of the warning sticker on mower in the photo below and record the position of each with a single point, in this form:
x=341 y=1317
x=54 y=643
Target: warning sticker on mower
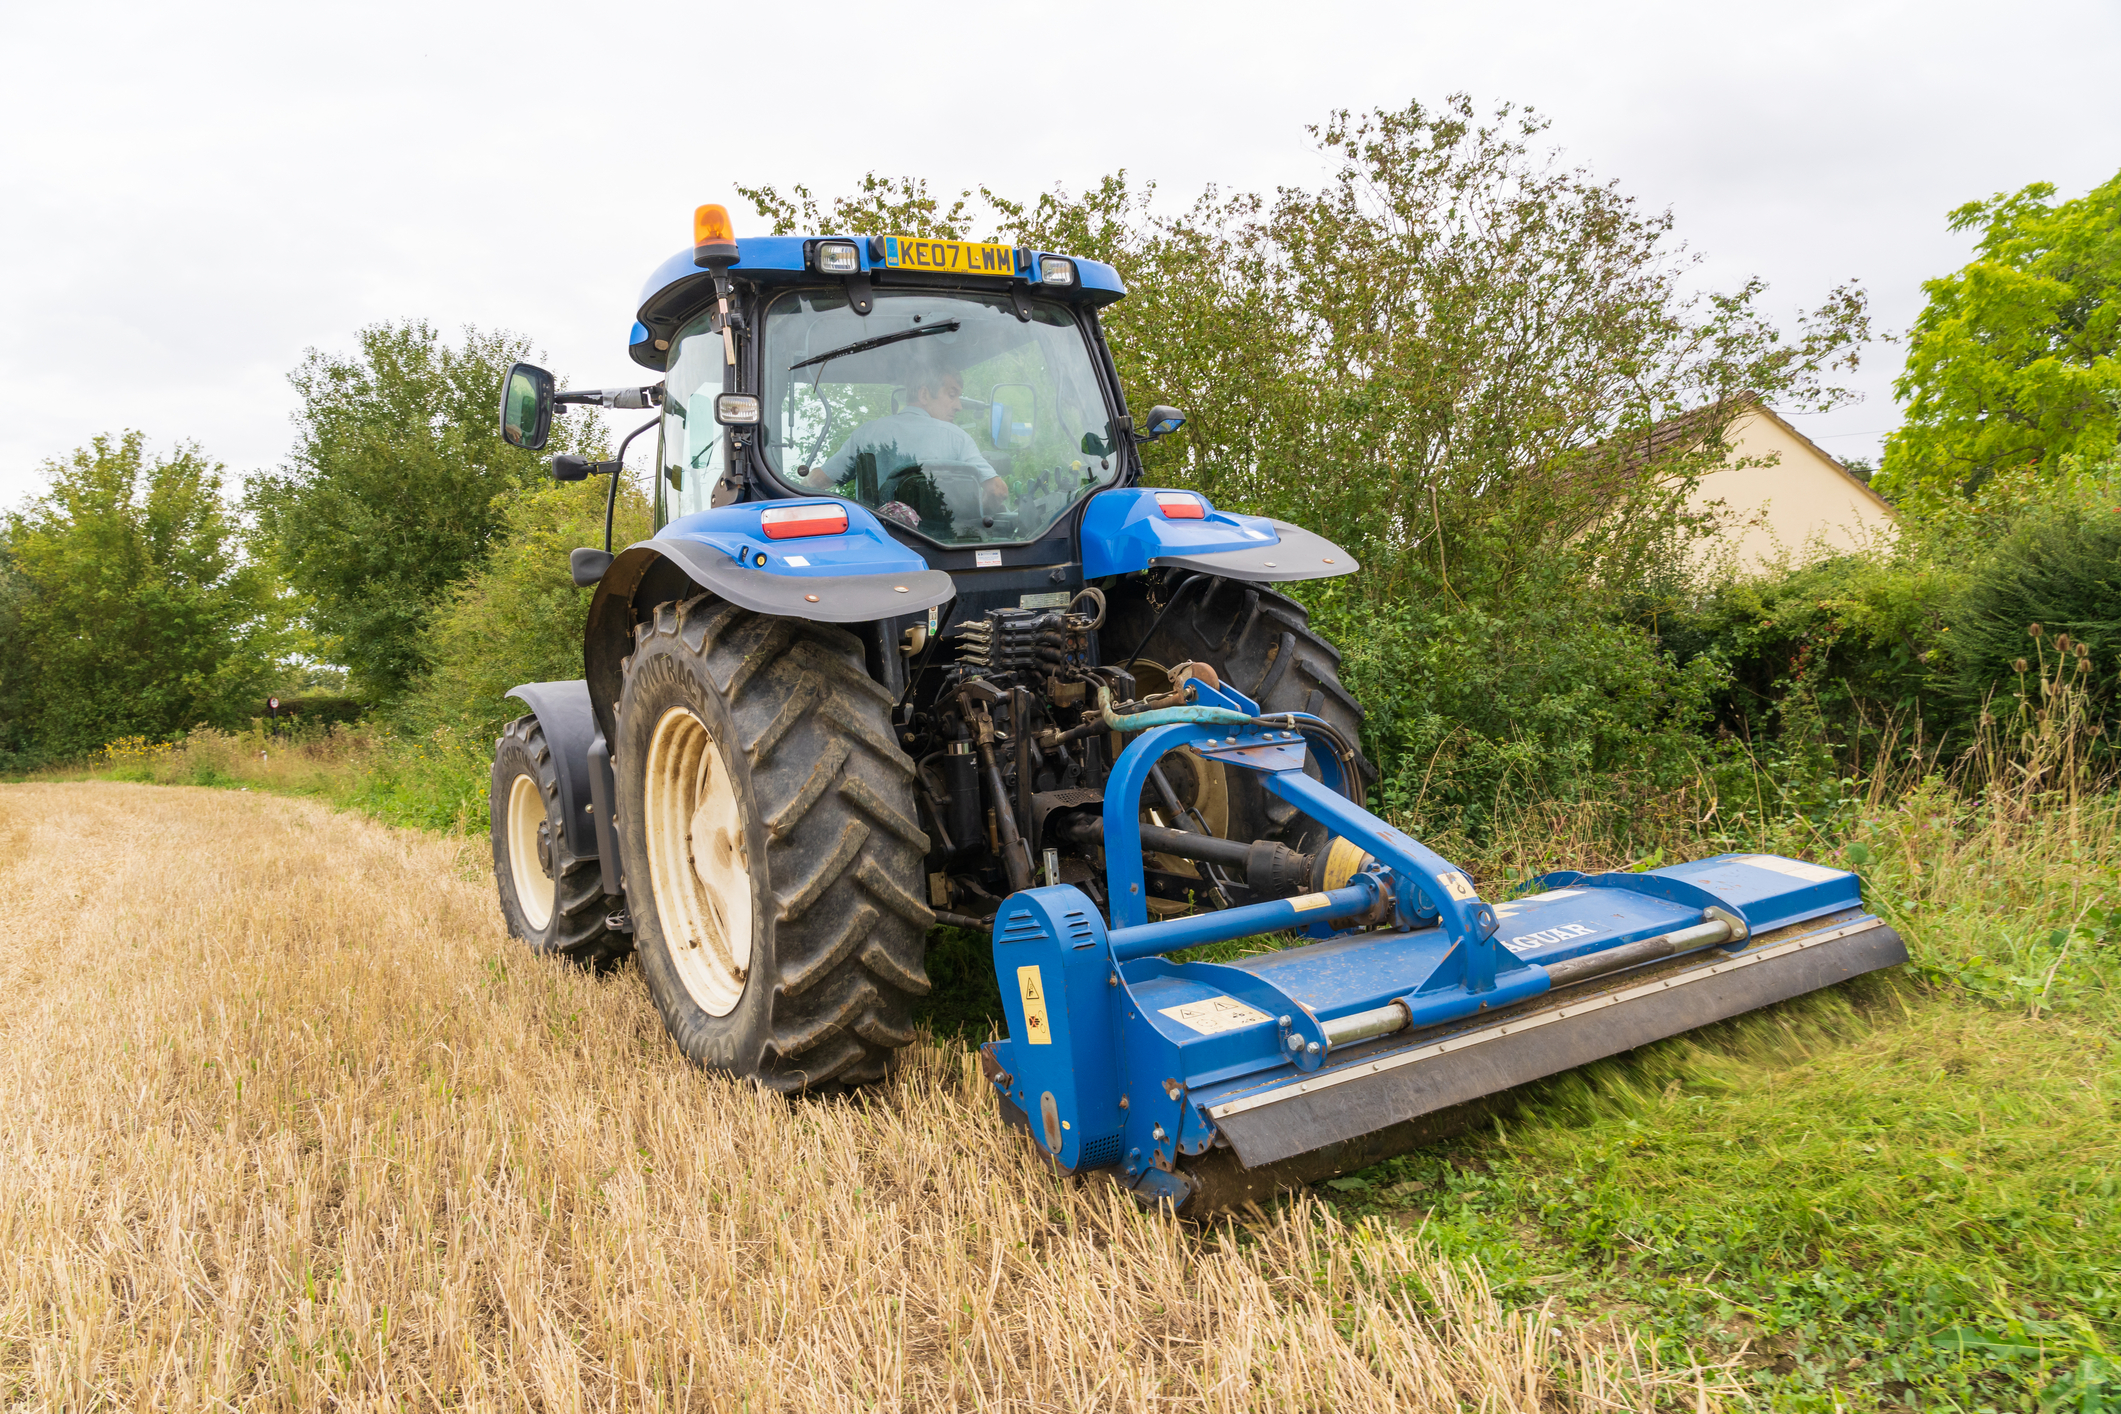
x=1456 y=884
x=1036 y=1029
x=1211 y=1015
x=1795 y=868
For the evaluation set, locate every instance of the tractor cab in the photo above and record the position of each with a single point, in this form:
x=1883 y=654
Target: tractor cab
x=959 y=391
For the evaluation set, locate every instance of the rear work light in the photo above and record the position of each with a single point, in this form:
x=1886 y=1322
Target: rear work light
x=837 y=258
x=793 y=522
x=736 y=409
x=1052 y=270
x=1181 y=505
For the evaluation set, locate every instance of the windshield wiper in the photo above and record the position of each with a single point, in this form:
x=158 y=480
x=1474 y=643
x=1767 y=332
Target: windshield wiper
x=948 y=326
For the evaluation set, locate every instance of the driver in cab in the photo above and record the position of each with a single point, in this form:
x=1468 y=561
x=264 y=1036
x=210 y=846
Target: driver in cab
x=922 y=433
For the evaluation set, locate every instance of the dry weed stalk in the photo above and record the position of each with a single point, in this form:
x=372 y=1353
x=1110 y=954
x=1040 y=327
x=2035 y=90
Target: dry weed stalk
x=286 y=1122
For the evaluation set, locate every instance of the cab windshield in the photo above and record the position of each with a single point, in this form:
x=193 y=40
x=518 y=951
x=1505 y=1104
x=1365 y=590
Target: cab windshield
x=944 y=413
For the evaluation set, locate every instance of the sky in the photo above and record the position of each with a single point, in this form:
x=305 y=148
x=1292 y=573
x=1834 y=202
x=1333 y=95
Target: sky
x=195 y=195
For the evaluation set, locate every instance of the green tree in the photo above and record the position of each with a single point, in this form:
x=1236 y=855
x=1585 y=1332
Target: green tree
x=1459 y=358
x=126 y=607
x=394 y=490
x=1456 y=347
x=518 y=617
x=2012 y=365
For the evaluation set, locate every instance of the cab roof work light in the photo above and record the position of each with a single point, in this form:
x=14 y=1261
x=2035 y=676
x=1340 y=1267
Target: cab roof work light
x=810 y=518
x=838 y=258
x=1055 y=270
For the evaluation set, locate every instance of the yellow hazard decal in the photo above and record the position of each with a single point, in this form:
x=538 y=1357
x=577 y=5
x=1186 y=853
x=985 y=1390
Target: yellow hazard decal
x=1036 y=1030
x=1307 y=901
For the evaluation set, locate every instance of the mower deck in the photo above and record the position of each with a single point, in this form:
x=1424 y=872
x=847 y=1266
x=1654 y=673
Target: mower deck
x=1384 y=1097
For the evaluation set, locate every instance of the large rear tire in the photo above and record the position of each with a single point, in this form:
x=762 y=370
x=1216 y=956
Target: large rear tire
x=1262 y=643
x=772 y=856
x=550 y=899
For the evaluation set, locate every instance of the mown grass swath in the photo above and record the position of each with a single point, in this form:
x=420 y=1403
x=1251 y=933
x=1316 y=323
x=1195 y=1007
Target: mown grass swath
x=296 y=1125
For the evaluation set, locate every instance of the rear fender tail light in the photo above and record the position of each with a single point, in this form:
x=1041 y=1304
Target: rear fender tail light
x=793 y=522
x=1181 y=505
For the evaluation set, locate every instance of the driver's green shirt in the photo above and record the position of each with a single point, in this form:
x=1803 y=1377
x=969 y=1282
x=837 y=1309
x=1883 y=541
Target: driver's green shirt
x=914 y=436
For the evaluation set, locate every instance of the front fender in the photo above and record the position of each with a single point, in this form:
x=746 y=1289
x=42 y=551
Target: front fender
x=856 y=576
x=562 y=709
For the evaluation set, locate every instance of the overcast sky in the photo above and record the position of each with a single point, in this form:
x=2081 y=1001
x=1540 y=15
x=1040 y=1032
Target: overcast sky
x=195 y=194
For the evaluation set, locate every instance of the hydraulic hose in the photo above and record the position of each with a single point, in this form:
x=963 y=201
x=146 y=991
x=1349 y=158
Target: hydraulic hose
x=1343 y=752
x=1167 y=716
x=1158 y=622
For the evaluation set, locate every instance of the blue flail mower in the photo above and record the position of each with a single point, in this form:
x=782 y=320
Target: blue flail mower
x=1204 y=1085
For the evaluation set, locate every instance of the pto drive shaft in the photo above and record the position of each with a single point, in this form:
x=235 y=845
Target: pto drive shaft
x=1269 y=867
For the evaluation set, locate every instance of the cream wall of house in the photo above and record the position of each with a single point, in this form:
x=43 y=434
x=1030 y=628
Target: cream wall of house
x=1784 y=507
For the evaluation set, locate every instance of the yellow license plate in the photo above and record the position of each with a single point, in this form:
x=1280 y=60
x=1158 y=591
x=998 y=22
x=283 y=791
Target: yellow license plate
x=949 y=257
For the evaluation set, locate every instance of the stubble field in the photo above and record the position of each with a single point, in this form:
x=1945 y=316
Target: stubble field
x=287 y=1121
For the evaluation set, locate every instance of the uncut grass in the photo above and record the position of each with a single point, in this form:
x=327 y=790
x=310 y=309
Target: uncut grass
x=434 y=781
x=286 y=1121
x=1840 y=1191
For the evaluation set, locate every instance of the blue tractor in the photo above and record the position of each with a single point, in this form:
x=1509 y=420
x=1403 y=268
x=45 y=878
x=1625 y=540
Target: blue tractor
x=912 y=644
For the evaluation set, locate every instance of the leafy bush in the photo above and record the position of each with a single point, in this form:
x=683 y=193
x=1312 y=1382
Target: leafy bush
x=1475 y=708
x=2059 y=568
x=1851 y=648
x=519 y=616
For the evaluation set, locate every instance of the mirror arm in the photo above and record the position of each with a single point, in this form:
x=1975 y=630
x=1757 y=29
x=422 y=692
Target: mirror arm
x=624 y=399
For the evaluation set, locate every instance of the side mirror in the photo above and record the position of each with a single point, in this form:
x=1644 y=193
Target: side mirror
x=526 y=407
x=568 y=466
x=1003 y=430
x=1163 y=421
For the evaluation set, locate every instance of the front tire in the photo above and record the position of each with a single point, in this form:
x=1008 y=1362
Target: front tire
x=771 y=850
x=550 y=899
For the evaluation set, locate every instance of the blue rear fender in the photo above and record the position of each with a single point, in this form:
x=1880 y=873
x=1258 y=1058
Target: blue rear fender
x=1135 y=528
x=855 y=576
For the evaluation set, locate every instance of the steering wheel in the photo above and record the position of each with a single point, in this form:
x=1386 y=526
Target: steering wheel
x=950 y=497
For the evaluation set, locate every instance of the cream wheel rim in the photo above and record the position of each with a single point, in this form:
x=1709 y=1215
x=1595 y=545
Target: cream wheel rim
x=527 y=866
x=697 y=865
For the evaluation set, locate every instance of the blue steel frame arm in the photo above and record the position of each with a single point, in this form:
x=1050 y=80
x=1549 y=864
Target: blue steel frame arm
x=1123 y=831
x=1421 y=876
x=1467 y=921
